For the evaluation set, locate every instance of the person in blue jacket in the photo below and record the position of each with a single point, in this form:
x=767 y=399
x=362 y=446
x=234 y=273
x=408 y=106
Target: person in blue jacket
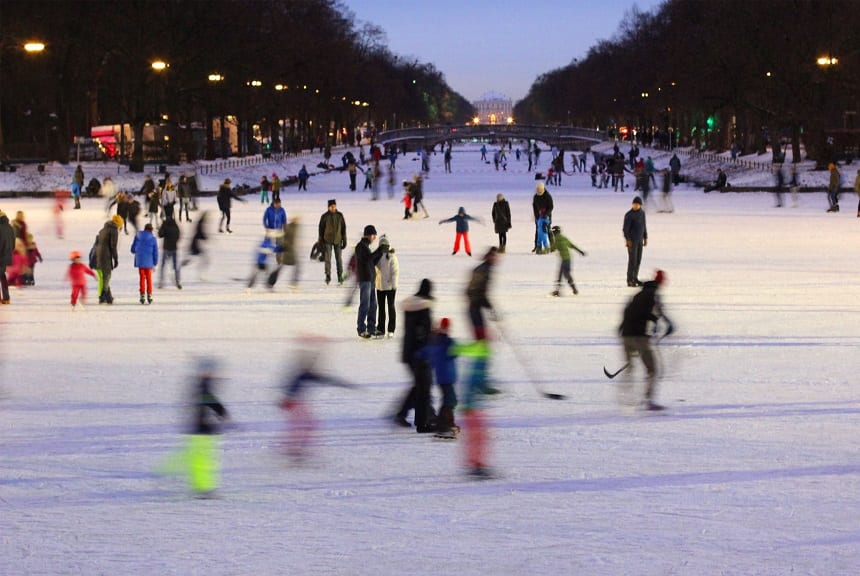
x=145 y=250
x=439 y=352
x=462 y=221
x=275 y=219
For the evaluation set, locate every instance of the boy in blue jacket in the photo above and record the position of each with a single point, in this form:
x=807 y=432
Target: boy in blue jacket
x=440 y=353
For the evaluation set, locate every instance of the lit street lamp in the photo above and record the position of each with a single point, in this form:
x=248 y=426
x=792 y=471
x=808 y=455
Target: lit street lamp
x=31 y=47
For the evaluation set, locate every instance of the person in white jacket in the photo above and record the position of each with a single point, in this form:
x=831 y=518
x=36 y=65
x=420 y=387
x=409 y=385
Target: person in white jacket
x=387 y=276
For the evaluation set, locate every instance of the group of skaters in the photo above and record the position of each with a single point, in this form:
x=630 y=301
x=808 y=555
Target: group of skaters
x=19 y=255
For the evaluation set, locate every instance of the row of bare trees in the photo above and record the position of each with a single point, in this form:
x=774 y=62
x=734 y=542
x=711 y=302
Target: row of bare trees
x=294 y=73
x=717 y=74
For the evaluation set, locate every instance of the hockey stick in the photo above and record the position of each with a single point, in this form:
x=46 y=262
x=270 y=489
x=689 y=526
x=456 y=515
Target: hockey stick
x=670 y=328
x=526 y=367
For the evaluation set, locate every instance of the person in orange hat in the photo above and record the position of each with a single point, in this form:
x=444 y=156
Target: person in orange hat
x=77 y=275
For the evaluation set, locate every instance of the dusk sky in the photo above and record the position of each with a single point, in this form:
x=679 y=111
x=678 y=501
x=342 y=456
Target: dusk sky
x=495 y=45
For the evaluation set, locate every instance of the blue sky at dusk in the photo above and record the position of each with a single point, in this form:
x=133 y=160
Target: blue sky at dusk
x=498 y=45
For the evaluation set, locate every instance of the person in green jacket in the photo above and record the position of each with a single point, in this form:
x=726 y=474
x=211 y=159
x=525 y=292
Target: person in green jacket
x=561 y=243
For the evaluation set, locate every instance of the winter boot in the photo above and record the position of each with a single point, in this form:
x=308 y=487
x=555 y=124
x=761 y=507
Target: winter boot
x=573 y=287
x=555 y=293
x=142 y=298
x=149 y=298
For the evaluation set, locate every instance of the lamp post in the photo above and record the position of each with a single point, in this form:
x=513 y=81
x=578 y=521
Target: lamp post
x=30 y=47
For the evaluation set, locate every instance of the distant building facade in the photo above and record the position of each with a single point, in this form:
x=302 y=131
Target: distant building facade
x=494 y=108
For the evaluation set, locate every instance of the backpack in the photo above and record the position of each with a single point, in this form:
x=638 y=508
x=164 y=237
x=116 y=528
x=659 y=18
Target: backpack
x=93 y=251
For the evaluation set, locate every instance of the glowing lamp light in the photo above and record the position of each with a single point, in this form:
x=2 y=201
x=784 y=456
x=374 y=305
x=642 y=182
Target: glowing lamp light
x=476 y=120
x=510 y=120
x=159 y=65
x=215 y=78
x=34 y=46
x=827 y=61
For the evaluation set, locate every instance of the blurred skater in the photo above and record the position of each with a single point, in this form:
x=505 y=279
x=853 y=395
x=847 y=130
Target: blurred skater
x=638 y=324
x=301 y=423
x=77 y=276
x=199 y=459
x=286 y=254
x=197 y=249
x=474 y=419
x=562 y=244
x=441 y=353
x=477 y=293
x=169 y=233
x=417 y=327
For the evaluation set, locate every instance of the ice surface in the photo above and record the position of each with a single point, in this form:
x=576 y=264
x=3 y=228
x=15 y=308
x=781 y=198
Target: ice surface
x=753 y=469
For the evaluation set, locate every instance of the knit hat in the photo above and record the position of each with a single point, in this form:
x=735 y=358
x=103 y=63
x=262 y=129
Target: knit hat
x=118 y=221
x=370 y=230
x=74 y=255
x=332 y=202
x=660 y=277
x=444 y=323
x=425 y=289
x=148 y=227
x=637 y=200
x=383 y=241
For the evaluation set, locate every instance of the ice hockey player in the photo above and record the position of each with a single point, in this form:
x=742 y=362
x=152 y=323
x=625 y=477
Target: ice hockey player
x=560 y=242
x=643 y=310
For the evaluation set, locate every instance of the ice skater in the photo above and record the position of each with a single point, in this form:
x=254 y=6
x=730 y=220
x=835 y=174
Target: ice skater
x=562 y=244
x=462 y=223
x=77 y=276
x=637 y=327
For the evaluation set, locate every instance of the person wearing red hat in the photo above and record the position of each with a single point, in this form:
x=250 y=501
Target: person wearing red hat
x=641 y=312
x=77 y=275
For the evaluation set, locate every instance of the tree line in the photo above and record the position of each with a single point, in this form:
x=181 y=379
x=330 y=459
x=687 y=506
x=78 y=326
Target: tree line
x=291 y=73
x=717 y=74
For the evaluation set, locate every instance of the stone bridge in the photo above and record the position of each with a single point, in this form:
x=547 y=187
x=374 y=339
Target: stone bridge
x=567 y=137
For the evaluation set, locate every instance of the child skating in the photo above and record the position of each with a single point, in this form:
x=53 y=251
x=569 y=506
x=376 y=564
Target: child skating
x=462 y=221
x=77 y=276
x=562 y=244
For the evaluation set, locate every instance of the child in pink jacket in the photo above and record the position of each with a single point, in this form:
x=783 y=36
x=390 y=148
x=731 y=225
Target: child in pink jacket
x=77 y=275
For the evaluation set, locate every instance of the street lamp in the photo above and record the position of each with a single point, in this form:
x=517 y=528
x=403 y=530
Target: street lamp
x=160 y=65
x=31 y=47
x=825 y=61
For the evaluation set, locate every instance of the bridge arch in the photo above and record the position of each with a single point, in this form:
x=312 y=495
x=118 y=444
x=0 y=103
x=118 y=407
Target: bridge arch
x=567 y=137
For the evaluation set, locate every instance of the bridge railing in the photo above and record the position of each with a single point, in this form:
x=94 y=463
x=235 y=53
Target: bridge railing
x=551 y=134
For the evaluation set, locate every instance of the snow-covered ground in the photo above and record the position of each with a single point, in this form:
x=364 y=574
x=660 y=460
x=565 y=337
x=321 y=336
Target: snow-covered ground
x=753 y=469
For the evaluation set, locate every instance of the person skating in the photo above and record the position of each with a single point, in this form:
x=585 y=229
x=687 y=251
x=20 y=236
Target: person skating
x=77 y=277
x=303 y=178
x=562 y=244
x=332 y=237
x=502 y=220
x=417 y=326
x=7 y=248
x=286 y=254
x=365 y=269
x=106 y=256
x=145 y=250
x=462 y=228
x=440 y=353
x=387 y=278
x=275 y=219
x=265 y=186
x=199 y=459
x=643 y=311
x=225 y=204
x=541 y=202
x=635 y=238
x=197 y=247
x=169 y=233
x=833 y=187
x=475 y=422
x=477 y=293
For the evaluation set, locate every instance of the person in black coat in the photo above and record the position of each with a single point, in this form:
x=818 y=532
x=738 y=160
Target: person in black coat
x=641 y=312
x=478 y=293
x=225 y=202
x=7 y=247
x=365 y=270
x=502 y=220
x=169 y=232
x=636 y=238
x=418 y=326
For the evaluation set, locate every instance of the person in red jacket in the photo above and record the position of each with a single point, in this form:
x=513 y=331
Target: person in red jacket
x=77 y=275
